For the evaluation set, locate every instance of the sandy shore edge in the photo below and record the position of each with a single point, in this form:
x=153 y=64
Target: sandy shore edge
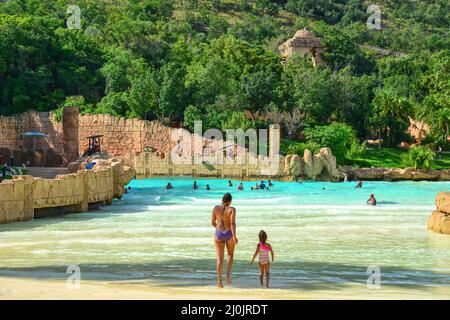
x=36 y=289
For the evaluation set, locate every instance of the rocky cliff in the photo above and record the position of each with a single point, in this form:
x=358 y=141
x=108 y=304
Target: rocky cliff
x=439 y=220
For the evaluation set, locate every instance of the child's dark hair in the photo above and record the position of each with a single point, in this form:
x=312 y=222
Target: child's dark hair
x=262 y=236
x=227 y=198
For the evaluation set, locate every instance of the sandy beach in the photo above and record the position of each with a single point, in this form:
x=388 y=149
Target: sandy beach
x=21 y=289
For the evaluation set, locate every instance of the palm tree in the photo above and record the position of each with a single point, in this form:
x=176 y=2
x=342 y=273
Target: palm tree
x=436 y=113
x=392 y=112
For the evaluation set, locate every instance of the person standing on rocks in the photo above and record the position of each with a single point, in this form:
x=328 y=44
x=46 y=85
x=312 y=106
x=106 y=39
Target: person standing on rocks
x=224 y=221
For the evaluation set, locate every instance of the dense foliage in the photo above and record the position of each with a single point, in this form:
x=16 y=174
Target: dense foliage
x=419 y=157
x=211 y=60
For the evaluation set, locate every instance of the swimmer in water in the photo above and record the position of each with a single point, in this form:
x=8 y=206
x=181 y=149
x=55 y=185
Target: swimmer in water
x=169 y=186
x=372 y=201
x=208 y=187
x=230 y=184
x=262 y=186
x=359 y=185
x=195 y=185
x=241 y=187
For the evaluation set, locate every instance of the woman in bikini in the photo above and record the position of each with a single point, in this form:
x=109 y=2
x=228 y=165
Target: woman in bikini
x=224 y=220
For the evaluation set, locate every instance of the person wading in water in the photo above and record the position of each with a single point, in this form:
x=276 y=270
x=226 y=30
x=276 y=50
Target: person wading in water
x=224 y=220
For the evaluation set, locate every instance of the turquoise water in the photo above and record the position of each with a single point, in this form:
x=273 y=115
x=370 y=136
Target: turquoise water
x=323 y=238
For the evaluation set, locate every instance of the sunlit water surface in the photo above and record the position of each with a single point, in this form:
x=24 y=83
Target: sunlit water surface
x=324 y=237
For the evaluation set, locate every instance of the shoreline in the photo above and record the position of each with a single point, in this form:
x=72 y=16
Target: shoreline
x=42 y=289
x=286 y=179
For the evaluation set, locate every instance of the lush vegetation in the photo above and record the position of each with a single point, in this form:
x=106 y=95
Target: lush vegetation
x=394 y=158
x=213 y=60
x=418 y=157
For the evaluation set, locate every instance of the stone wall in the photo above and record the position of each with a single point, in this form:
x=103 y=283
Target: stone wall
x=439 y=220
x=43 y=122
x=149 y=164
x=14 y=205
x=12 y=143
x=22 y=195
x=394 y=174
x=123 y=138
x=10 y=129
x=126 y=138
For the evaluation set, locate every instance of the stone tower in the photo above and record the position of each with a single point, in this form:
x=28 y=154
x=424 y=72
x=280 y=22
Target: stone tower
x=303 y=42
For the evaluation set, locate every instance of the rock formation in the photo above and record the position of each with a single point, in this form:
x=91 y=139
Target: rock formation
x=439 y=220
x=394 y=174
x=321 y=165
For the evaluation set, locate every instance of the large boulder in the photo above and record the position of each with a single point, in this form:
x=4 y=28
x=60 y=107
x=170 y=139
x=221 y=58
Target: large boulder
x=308 y=159
x=443 y=202
x=296 y=166
x=293 y=165
x=439 y=221
x=328 y=162
x=322 y=164
x=287 y=164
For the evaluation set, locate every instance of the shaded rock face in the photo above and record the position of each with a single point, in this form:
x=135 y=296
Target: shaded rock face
x=321 y=165
x=293 y=165
x=439 y=220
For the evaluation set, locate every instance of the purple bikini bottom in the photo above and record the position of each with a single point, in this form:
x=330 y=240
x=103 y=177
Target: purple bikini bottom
x=224 y=236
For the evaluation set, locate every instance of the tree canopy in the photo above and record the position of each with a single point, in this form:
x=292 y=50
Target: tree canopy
x=216 y=61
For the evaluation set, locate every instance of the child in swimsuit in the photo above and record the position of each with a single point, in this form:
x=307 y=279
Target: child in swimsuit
x=263 y=249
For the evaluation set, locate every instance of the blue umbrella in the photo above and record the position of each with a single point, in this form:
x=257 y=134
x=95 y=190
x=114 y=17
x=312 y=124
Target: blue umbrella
x=34 y=134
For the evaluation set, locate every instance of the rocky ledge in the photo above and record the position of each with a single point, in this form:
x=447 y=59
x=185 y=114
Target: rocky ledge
x=394 y=174
x=439 y=220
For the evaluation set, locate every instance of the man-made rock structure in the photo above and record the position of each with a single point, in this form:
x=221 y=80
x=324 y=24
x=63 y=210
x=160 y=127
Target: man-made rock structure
x=418 y=130
x=321 y=165
x=67 y=139
x=13 y=145
x=25 y=197
x=147 y=145
x=394 y=174
x=124 y=138
x=439 y=220
x=304 y=42
x=150 y=164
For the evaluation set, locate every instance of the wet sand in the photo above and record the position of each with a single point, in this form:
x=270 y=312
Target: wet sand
x=19 y=289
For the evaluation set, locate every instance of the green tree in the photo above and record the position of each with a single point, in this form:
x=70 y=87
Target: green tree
x=337 y=136
x=392 y=115
x=419 y=157
x=238 y=120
